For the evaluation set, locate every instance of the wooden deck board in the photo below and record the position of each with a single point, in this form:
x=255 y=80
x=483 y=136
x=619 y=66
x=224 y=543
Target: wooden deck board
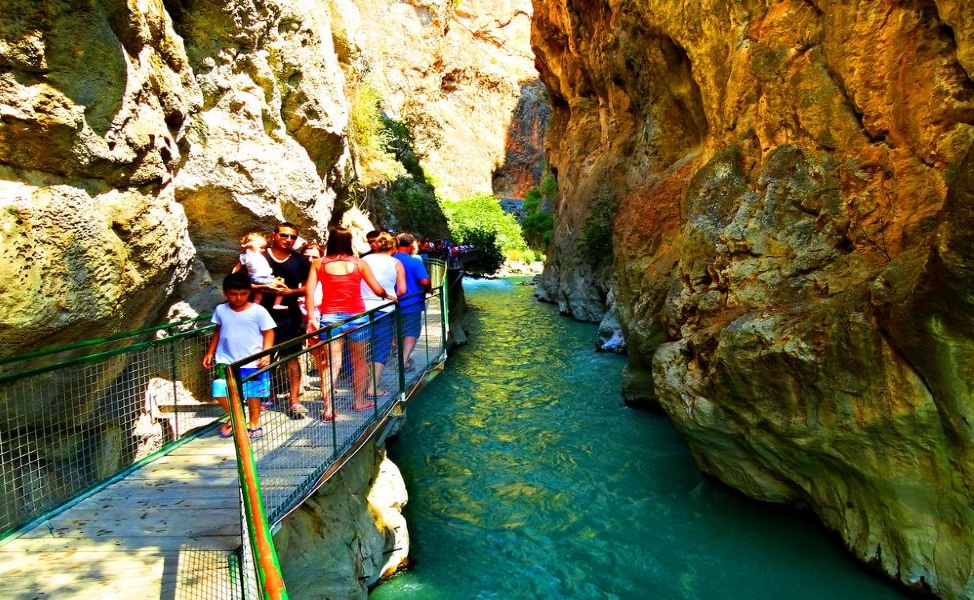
x=137 y=537
x=166 y=531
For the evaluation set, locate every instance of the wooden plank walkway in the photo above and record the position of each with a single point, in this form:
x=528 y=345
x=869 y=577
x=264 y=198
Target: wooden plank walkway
x=166 y=530
x=169 y=529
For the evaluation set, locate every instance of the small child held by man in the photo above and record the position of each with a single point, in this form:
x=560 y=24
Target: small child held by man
x=258 y=269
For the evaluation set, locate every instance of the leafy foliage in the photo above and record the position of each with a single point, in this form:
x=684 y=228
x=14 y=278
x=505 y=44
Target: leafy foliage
x=595 y=240
x=532 y=200
x=416 y=207
x=369 y=137
x=548 y=186
x=481 y=221
x=537 y=229
x=538 y=223
x=489 y=256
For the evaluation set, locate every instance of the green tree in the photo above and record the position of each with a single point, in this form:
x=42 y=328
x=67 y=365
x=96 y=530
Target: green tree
x=537 y=229
x=538 y=223
x=480 y=221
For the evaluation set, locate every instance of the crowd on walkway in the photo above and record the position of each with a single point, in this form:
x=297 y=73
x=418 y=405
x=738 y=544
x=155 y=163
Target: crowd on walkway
x=283 y=287
x=443 y=249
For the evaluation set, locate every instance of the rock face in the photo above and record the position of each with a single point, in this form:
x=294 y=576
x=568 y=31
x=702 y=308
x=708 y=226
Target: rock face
x=792 y=196
x=137 y=145
x=463 y=71
x=91 y=106
x=523 y=155
x=349 y=534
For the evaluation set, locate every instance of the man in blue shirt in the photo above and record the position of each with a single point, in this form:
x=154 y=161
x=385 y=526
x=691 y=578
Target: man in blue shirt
x=412 y=304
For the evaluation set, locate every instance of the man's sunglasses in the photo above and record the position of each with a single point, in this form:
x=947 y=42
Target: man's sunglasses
x=290 y=236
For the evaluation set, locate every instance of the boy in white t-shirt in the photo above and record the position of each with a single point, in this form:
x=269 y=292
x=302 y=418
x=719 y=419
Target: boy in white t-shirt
x=242 y=329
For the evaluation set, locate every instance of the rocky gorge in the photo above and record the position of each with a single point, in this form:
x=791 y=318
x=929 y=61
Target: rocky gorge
x=139 y=140
x=774 y=200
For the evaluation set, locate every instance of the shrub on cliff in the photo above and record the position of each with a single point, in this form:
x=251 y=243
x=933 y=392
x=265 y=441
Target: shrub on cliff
x=416 y=208
x=595 y=239
x=370 y=137
x=538 y=223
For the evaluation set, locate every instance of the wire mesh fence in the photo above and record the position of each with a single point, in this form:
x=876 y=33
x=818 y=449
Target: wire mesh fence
x=79 y=417
x=75 y=416
x=344 y=391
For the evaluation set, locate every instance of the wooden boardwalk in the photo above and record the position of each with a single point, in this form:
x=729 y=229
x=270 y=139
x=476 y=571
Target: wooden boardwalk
x=169 y=529
x=166 y=531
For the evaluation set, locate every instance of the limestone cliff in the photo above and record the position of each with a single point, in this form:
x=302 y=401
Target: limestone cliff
x=138 y=143
x=791 y=197
x=463 y=74
x=140 y=140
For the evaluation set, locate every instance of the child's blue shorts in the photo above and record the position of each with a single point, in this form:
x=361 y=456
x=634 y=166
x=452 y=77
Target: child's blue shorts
x=259 y=387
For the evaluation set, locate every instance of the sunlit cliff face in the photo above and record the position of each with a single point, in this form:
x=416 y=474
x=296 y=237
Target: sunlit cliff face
x=139 y=143
x=790 y=247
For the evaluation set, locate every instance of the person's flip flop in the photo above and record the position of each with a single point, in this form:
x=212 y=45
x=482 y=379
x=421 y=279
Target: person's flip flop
x=365 y=406
x=297 y=411
x=256 y=434
x=225 y=431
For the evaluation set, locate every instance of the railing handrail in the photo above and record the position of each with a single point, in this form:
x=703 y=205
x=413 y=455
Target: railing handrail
x=104 y=340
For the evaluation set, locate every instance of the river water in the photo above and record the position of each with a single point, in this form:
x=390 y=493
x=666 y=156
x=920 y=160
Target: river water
x=528 y=478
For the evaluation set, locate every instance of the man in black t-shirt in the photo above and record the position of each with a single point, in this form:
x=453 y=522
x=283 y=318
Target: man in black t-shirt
x=293 y=268
x=370 y=237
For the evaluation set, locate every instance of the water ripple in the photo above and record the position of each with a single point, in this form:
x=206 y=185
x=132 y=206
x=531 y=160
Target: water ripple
x=528 y=479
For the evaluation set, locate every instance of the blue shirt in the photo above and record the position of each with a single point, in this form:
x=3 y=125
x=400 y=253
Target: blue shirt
x=415 y=299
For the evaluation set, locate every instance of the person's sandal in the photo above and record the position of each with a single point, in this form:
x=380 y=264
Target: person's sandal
x=256 y=434
x=297 y=411
x=226 y=430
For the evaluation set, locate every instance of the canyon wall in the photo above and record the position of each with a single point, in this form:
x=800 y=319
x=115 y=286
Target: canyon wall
x=788 y=201
x=139 y=140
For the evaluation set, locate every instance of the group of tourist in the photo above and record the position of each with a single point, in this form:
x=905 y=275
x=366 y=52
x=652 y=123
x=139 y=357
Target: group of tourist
x=443 y=249
x=277 y=293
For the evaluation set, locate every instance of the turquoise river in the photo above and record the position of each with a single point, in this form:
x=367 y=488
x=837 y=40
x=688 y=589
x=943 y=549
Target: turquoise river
x=528 y=478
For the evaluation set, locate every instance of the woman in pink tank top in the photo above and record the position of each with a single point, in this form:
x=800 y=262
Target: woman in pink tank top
x=341 y=274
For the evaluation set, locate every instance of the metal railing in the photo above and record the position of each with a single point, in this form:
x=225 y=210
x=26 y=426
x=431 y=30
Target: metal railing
x=293 y=457
x=76 y=416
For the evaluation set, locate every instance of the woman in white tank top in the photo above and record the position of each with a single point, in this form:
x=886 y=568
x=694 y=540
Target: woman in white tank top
x=391 y=275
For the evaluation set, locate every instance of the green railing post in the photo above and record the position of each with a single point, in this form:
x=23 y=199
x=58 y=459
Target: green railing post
x=400 y=357
x=269 y=578
x=174 y=370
